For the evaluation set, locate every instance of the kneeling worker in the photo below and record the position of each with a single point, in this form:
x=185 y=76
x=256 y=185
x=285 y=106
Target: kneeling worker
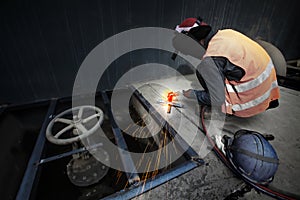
x=235 y=72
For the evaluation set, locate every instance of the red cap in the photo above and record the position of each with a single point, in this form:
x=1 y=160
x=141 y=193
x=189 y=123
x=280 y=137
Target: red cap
x=189 y=22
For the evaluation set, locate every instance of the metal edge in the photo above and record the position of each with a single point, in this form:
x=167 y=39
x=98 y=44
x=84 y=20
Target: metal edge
x=148 y=185
x=32 y=168
x=190 y=153
x=126 y=159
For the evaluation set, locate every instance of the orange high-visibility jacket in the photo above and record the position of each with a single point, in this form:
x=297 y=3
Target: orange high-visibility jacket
x=258 y=87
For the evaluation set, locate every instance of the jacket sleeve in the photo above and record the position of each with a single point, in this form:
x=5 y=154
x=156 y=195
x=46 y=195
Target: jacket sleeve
x=214 y=81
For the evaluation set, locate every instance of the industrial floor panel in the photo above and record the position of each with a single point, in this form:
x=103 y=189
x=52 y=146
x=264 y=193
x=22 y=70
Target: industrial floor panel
x=215 y=180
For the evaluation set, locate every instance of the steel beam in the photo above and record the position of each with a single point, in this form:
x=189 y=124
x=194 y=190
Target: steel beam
x=69 y=153
x=127 y=161
x=32 y=168
x=148 y=185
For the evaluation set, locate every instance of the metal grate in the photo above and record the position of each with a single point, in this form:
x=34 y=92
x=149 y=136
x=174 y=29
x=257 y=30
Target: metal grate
x=46 y=177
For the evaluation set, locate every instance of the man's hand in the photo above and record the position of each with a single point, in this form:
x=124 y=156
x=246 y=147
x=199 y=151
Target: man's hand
x=190 y=93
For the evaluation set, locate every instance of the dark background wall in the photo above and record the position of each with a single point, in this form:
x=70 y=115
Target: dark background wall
x=44 y=42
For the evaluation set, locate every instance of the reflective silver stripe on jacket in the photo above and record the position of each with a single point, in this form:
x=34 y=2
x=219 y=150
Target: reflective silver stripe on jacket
x=255 y=102
x=253 y=83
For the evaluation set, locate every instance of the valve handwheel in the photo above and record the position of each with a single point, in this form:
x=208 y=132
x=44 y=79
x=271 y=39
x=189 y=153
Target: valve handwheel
x=78 y=124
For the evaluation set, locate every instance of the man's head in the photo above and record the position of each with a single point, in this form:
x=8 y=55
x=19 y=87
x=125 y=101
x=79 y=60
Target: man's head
x=195 y=28
x=189 y=34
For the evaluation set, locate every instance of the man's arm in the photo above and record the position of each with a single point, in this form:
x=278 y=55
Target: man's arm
x=214 y=83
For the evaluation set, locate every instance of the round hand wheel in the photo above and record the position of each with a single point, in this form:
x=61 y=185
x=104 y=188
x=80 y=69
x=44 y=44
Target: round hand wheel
x=77 y=125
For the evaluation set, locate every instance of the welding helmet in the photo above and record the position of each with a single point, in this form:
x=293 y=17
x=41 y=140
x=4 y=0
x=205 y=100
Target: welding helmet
x=188 y=35
x=252 y=156
x=194 y=27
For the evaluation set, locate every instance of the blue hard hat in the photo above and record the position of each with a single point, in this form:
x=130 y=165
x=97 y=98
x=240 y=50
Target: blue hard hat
x=252 y=156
